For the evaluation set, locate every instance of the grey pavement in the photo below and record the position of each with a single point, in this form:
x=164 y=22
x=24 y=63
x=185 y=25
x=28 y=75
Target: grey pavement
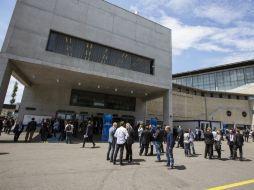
x=53 y=166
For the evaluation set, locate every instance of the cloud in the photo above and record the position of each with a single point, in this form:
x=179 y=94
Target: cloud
x=180 y=5
x=219 y=14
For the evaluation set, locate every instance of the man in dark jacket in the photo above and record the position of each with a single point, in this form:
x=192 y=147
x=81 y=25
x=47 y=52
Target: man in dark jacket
x=88 y=137
x=180 y=137
x=158 y=139
x=18 y=129
x=231 y=141
x=209 y=143
x=238 y=144
x=130 y=140
x=170 y=147
x=31 y=127
x=145 y=140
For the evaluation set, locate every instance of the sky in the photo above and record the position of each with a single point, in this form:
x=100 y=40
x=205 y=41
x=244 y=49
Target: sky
x=205 y=33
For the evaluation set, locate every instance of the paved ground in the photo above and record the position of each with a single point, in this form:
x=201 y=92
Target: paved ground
x=27 y=166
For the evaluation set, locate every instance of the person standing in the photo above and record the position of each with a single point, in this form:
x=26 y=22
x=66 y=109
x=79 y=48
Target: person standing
x=69 y=132
x=44 y=132
x=217 y=143
x=252 y=135
x=121 y=135
x=145 y=140
x=18 y=129
x=192 y=138
x=152 y=142
x=170 y=146
x=158 y=140
x=88 y=137
x=209 y=143
x=239 y=141
x=246 y=135
x=140 y=130
x=130 y=140
x=1 y=126
x=31 y=127
x=180 y=137
x=56 y=127
x=186 y=140
x=111 y=142
x=231 y=142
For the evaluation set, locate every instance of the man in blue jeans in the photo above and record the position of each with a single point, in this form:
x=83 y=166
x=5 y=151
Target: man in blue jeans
x=170 y=146
x=158 y=139
x=111 y=142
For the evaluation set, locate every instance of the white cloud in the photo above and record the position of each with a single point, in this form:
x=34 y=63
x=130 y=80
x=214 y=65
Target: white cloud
x=219 y=14
x=180 y=5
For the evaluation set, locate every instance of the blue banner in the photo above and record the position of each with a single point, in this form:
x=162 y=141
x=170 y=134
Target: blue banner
x=107 y=123
x=153 y=122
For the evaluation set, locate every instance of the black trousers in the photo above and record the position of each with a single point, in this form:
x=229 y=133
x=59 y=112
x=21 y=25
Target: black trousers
x=218 y=150
x=231 y=148
x=208 y=150
x=240 y=151
x=144 y=147
x=121 y=147
x=88 y=139
x=246 y=138
x=162 y=148
x=16 y=136
x=128 y=152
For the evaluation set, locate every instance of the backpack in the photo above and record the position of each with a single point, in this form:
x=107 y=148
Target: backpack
x=68 y=127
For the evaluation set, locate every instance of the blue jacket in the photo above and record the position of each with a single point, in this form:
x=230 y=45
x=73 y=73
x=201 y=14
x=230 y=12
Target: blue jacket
x=170 y=140
x=111 y=134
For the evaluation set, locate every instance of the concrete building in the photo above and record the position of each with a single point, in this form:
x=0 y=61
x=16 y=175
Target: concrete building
x=224 y=89
x=200 y=108
x=86 y=57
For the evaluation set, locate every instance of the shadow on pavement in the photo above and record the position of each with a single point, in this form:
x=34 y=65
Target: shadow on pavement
x=4 y=153
x=180 y=167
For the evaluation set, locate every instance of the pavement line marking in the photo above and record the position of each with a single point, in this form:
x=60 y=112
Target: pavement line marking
x=233 y=185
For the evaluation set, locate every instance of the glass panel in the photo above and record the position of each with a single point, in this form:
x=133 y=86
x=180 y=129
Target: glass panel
x=75 y=47
x=99 y=100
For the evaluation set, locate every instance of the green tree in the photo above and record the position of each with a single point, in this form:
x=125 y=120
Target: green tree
x=14 y=93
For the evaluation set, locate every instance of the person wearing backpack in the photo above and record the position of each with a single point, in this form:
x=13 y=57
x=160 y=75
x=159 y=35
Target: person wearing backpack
x=31 y=127
x=69 y=132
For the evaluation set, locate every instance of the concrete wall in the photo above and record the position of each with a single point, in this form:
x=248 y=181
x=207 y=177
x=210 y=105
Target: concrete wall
x=194 y=107
x=97 y=21
x=49 y=99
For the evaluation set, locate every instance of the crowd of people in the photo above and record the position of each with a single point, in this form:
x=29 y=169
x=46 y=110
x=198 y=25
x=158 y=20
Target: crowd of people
x=122 y=136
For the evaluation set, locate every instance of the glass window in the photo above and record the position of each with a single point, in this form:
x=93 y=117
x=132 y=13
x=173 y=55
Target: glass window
x=104 y=101
x=75 y=47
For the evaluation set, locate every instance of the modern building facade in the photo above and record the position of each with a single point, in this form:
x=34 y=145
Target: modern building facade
x=221 y=78
x=86 y=58
x=200 y=108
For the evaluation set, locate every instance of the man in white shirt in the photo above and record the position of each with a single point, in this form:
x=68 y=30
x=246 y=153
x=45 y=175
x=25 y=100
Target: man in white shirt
x=121 y=135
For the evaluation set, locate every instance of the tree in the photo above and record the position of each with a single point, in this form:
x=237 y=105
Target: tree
x=14 y=93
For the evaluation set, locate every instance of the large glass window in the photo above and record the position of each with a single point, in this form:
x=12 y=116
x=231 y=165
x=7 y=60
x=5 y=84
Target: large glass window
x=99 y=100
x=75 y=47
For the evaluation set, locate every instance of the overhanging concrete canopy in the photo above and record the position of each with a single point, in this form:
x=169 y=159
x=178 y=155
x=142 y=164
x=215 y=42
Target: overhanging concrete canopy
x=35 y=74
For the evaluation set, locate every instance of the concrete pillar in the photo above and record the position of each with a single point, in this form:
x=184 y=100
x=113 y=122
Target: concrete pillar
x=140 y=109
x=167 y=108
x=5 y=75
